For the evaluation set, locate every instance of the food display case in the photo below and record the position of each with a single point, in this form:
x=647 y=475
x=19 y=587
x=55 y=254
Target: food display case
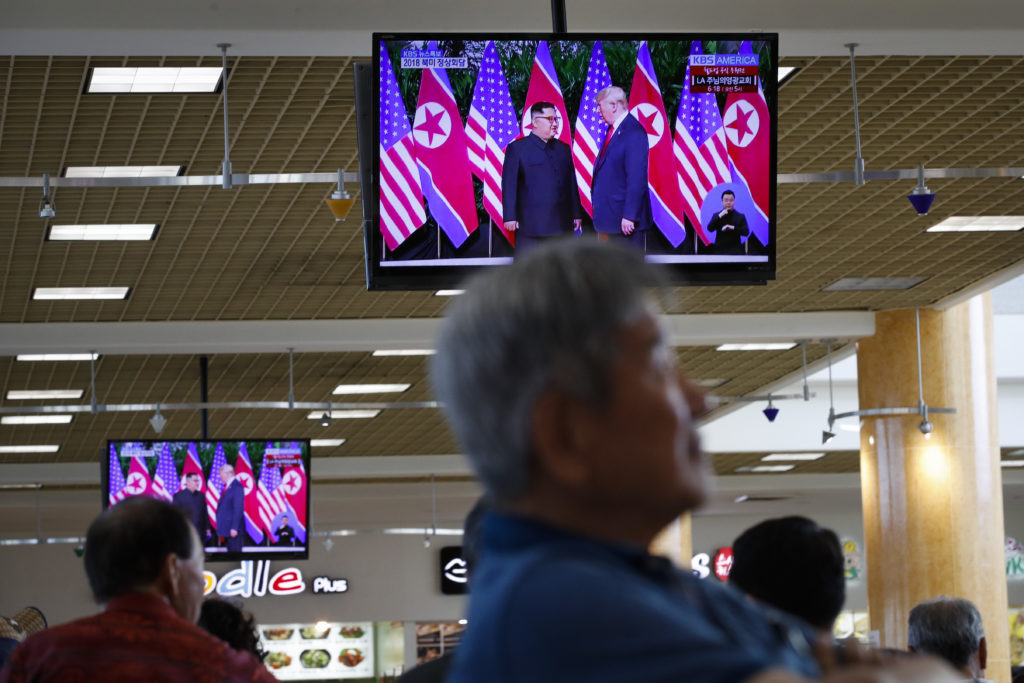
x=851 y=624
x=325 y=650
x=433 y=640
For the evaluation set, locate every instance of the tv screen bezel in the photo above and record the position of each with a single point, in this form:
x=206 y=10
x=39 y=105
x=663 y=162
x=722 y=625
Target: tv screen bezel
x=397 y=278
x=300 y=553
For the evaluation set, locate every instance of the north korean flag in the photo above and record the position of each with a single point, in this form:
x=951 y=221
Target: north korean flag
x=138 y=482
x=442 y=155
x=293 y=483
x=646 y=104
x=544 y=87
x=244 y=475
x=747 y=126
x=192 y=466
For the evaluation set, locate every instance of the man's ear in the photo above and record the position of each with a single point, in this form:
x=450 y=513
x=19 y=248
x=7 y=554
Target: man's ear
x=983 y=653
x=561 y=438
x=170 y=573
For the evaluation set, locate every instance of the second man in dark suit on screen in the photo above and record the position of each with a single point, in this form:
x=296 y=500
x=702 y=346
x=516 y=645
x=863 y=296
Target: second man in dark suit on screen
x=192 y=502
x=231 y=510
x=622 y=202
x=730 y=226
x=540 y=200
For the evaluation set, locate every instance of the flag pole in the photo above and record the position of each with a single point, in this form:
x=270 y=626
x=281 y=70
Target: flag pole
x=490 y=234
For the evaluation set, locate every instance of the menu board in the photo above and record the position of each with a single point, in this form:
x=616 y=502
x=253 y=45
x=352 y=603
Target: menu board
x=433 y=640
x=302 y=652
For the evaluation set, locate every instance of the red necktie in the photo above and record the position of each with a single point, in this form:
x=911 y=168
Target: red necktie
x=607 y=139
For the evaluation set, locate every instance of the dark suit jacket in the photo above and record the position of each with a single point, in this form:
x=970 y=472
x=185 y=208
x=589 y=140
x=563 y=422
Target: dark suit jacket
x=230 y=510
x=538 y=187
x=728 y=241
x=620 y=180
x=193 y=503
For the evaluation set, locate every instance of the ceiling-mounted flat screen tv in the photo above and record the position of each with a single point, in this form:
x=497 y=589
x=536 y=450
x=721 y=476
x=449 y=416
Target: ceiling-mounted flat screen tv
x=248 y=499
x=478 y=147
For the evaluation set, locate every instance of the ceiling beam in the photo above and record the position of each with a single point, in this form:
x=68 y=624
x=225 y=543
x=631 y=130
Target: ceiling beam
x=277 y=336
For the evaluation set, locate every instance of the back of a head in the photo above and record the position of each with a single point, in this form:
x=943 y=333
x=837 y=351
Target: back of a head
x=550 y=320
x=232 y=625
x=126 y=546
x=794 y=565
x=946 y=627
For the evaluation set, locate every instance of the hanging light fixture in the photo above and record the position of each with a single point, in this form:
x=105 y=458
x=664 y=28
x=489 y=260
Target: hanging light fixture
x=158 y=421
x=47 y=209
x=921 y=197
x=341 y=201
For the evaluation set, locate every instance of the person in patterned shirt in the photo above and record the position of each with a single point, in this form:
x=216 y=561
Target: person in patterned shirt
x=145 y=565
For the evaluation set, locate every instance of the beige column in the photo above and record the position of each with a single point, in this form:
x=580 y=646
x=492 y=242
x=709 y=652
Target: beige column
x=933 y=505
x=676 y=542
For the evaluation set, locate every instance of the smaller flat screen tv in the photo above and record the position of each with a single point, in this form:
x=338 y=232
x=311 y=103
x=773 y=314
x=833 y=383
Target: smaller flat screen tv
x=248 y=499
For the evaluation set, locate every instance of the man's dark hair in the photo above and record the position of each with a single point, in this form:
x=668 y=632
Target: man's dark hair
x=728 y=192
x=471 y=528
x=794 y=565
x=538 y=108
x=228 y=622
x=191 y=474
x=126 y=546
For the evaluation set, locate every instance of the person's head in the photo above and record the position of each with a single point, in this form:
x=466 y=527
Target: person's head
x=231 y=624
x=949 y=628
x=557 y=379
x=545 y=120
x=192 y=481
x=728 y=200
x=227 y=473
x=611 y=101
x=471 y=527
x=284 y=520
x=794 y=565
x=146 y=545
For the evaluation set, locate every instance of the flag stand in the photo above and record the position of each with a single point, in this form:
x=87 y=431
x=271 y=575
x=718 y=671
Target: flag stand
x=490 y=235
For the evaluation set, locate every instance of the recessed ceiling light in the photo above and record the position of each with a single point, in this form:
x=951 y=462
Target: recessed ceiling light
x=114 y=231
x=404 y=352
x=326 y=443
x=786 y=72
x=449 y=292
x=79 y=293
x=741 y=499
x=872 y=284
x=344 y=414
x=57 y=356
x=154 y=79
x=35 y=419
x=42 y=394
x=792 y=456
x=122 y=171
x=769 y=346
x=29 y=449
x=710 y=383
x=371 y=388
x=1012 y=463
x=979 y=224
x=766 y=468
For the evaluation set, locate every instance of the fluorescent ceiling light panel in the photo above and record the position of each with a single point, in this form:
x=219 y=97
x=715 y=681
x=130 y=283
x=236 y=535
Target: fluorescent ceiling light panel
x=42 y=394
x=344 y=414
x=850 y=427
x=767 y=468
x=326 y=443
x=872 y=284
x=449 y=292
x=29 y=449
x=791 y=456
x=371 y=388
x=710 y=383
x=785 y=72
x=154 y=79
x=58 y=356
x=101 y=232
x=769 y=346
x=35 y=419
x=979 y=224
x=122 y=171
x=1012 y=463
x=79 y=293
x=404 y=352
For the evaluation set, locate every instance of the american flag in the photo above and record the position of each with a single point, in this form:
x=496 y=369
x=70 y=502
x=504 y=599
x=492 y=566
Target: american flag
x=700 y=149
x=214 y=485
x=492 y=124
x=271 y=499
x=116 y=475
x=590 y=127
x=165 y=480
x=401 y=195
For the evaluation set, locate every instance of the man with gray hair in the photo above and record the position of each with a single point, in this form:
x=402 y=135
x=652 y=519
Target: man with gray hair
x=561 y=387
x=950 y=628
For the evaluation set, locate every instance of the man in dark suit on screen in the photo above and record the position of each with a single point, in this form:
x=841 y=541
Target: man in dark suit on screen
x=539 y=196
x=622 y=203
x=193 y=503
x=231 y=510
x=731 y=226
